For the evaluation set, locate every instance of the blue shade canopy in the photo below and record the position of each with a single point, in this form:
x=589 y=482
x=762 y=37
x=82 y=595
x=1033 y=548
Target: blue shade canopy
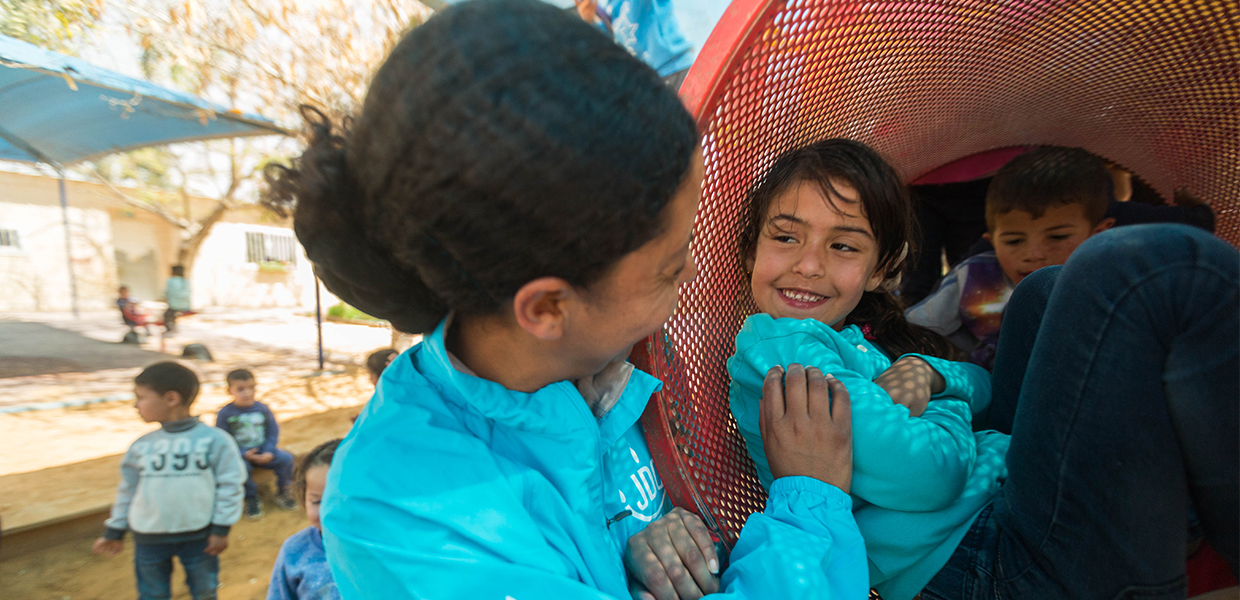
x=59 y=109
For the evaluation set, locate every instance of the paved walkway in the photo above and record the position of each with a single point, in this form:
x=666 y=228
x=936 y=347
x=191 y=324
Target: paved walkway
x=52 y=359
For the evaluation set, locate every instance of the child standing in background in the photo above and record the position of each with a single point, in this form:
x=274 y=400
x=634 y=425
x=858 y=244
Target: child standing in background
x=180 y=489
x=177 y=295
x=254 y=427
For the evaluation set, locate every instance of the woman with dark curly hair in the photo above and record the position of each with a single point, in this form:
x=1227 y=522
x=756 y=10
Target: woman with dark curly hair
x=522 y=190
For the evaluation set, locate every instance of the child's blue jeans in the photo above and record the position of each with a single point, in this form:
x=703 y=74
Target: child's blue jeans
x=281 y=463
x=1120 y=373
x=153 y=566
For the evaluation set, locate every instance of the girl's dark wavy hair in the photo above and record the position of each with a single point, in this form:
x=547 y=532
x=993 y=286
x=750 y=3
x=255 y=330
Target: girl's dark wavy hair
x=500 y=142
x=320 y=456
x=884 y=202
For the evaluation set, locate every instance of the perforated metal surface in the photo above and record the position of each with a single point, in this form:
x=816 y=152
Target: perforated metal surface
x=1152 y=86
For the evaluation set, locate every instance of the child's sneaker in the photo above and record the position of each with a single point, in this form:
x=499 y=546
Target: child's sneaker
x=285 y=500
x=253 y=508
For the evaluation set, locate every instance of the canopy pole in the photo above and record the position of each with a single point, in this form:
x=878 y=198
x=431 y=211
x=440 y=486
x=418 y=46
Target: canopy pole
x=64 y=213
x=318 y=318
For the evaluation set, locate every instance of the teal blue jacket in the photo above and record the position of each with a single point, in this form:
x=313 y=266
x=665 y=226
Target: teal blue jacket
x=451 y=486
x=918 y=482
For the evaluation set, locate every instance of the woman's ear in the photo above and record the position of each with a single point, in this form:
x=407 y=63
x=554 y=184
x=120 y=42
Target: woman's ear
x=541 y=307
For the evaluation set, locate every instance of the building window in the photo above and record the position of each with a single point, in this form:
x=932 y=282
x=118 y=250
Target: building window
x=270 y=247
x=9 y=240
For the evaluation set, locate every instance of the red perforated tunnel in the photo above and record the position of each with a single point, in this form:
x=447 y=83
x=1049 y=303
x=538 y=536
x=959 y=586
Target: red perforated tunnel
x=1150 y=85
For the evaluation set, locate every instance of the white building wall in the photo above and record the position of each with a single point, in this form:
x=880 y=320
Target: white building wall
x=35 y=276
x=114 y=243
x=223 y=275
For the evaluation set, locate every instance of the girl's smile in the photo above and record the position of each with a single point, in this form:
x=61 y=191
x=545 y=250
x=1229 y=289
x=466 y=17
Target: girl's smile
x=802 y=299
x=815 y=256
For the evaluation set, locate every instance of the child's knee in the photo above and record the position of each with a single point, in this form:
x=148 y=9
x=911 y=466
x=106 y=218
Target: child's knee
x=1156 y=241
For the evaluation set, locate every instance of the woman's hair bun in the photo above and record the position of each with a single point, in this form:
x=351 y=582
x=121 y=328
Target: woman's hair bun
x=500 y=142
x=319 y=190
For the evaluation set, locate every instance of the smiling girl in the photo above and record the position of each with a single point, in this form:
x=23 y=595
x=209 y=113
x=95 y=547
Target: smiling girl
x=825 y=239
x=1125 y=364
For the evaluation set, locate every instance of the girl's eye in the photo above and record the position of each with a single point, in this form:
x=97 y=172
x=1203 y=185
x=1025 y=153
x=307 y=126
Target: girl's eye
x=784 y=238
x=1060 y=238
x=1013 y=243
x=843 y=247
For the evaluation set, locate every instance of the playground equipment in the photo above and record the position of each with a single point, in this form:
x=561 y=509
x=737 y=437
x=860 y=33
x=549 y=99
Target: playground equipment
x=1151 y=85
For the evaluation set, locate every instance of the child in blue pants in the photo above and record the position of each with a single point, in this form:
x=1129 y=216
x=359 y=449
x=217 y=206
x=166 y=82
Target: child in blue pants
x=180 y=489
x=254 y=426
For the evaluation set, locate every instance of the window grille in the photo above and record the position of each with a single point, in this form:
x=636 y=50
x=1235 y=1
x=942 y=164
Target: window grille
x=10 y=240
x=270 y=247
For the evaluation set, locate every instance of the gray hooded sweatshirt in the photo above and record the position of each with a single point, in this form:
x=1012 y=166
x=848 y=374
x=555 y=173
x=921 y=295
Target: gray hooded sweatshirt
x=181 y=483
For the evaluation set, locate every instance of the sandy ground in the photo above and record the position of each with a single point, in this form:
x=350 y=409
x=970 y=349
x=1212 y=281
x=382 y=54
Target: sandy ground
x=68 y=570
x=55 y=358
x=62 y=461
x=39 y=439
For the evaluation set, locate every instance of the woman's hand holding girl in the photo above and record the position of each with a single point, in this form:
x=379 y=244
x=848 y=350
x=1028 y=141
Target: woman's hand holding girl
x=910 y=382
x=673 y=557
x=806 y=424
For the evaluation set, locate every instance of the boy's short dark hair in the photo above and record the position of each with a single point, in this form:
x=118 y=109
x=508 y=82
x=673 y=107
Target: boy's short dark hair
x=1050 y=175
x=178 y=271
x=170 y=376
x=378 y=361
x=238 y=375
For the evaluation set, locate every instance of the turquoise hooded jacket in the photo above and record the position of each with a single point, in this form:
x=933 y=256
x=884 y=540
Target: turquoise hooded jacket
x=452 y=486
x=918 y=482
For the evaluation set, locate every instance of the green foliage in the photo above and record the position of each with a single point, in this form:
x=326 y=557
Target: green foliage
x=344 y=311
x=58 y=25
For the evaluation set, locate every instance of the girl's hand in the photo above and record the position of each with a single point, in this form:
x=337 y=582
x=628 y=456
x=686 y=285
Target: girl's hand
x=910 y=382
x=672 y=558
x=105 y=546
x=806 y=424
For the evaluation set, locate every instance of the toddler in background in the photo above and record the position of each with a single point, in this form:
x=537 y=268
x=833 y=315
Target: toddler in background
x=378 y=361
x=301 y=572
x=254 y=427
x=1040 y=206
x=180 y=489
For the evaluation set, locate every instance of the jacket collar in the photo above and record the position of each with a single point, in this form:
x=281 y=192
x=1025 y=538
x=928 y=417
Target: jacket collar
x=558 y=409
x=179 y=425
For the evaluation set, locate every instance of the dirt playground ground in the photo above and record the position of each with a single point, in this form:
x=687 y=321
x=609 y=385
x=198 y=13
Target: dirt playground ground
x=69 y=571
x=65 y=460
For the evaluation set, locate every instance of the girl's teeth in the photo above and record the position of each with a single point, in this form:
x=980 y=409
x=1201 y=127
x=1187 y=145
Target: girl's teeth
x=801 y=297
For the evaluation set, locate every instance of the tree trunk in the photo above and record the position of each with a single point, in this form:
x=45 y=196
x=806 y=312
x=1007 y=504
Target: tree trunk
x=188 y=252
